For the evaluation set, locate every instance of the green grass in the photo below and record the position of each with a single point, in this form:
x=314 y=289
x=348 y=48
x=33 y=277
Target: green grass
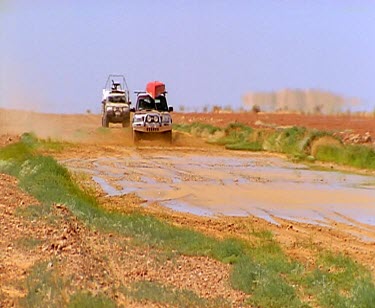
x=260 y=268
x=43 y=211
x=264 y=282
x=340 y=282
x=291 y=141
x=28 y=243
x=51 y=145
x=294 y=141
x=154 y=292
x=34 y=212
x=196 y=128
x=235 y=133
x=44 y=288
x=17 y=152
x=266 y=273
x=29 y=146
x=245 y=146
x=51 y=183
x=273 y=291
x=87 y=300
x=351 y=155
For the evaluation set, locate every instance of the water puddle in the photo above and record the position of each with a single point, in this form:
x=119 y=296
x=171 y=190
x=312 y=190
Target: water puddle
x=236 y=186
x=107 y=188
x=179 y=206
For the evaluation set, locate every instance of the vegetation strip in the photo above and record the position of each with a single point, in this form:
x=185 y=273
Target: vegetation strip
x=259 y=268
x=156 y=293
x=298 y=142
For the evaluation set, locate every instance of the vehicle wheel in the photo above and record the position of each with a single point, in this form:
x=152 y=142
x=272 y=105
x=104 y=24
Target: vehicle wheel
x=105 y=122
x=136 y=137
x=126 y=123
x=168 y=137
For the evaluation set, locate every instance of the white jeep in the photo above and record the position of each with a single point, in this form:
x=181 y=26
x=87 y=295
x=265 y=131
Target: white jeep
x=152 y=117
x=116 y=101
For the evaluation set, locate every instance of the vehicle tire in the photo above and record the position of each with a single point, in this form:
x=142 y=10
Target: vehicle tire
x=105 y=122
x=126 y=123
x=136 y=137
x=168 y=137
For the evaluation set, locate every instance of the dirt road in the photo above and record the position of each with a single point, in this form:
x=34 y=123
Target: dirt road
x=290 y=199
x=192 y=176
x=65 y=126
x=217 y=182
x=210 y=189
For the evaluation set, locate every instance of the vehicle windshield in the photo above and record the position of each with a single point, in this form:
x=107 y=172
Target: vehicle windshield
x=148 y=103
x=161 y=103
x=117 y=99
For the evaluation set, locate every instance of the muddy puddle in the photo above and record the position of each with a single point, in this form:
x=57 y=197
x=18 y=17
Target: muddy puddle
x=236 y=185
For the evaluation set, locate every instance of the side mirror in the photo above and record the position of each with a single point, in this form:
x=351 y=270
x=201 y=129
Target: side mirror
x=170 y=109
x=132 y=109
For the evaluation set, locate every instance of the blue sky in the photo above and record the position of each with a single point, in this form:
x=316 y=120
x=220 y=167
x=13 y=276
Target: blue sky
x=55 y=55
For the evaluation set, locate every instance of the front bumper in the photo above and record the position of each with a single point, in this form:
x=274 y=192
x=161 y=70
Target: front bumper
x=152 y=128
x=117 y=116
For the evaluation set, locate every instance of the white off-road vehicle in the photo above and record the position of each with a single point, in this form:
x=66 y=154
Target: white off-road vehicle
x=116 y=101
x=152 y=117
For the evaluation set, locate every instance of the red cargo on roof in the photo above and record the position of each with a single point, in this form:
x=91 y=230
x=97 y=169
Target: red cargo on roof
x=155 y=88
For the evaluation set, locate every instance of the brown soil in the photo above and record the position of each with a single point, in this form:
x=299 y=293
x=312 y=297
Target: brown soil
x=300 y=240
x=97 y=261
x=355 y=123
x=65 y=126
x=91 y=260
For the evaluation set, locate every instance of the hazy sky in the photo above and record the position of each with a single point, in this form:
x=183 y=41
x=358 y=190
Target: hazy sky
x=55 y=55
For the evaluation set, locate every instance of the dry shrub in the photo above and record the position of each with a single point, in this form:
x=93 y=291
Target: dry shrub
x=323 y=141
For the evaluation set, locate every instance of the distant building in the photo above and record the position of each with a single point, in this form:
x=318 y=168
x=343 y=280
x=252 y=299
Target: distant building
x=295 y=100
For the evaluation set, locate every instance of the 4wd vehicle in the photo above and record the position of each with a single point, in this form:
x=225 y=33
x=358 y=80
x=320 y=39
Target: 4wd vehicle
x=151 y=114
x=115 y=101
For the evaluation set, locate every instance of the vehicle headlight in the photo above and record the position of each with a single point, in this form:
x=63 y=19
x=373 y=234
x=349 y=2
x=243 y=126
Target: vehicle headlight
x=109 y=108
x=125 y=108
x=149 y=119
x=156 y=119
x=138 y=119
x=166 y=119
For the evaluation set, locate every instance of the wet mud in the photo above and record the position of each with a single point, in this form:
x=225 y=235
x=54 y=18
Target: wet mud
x=235 y=184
